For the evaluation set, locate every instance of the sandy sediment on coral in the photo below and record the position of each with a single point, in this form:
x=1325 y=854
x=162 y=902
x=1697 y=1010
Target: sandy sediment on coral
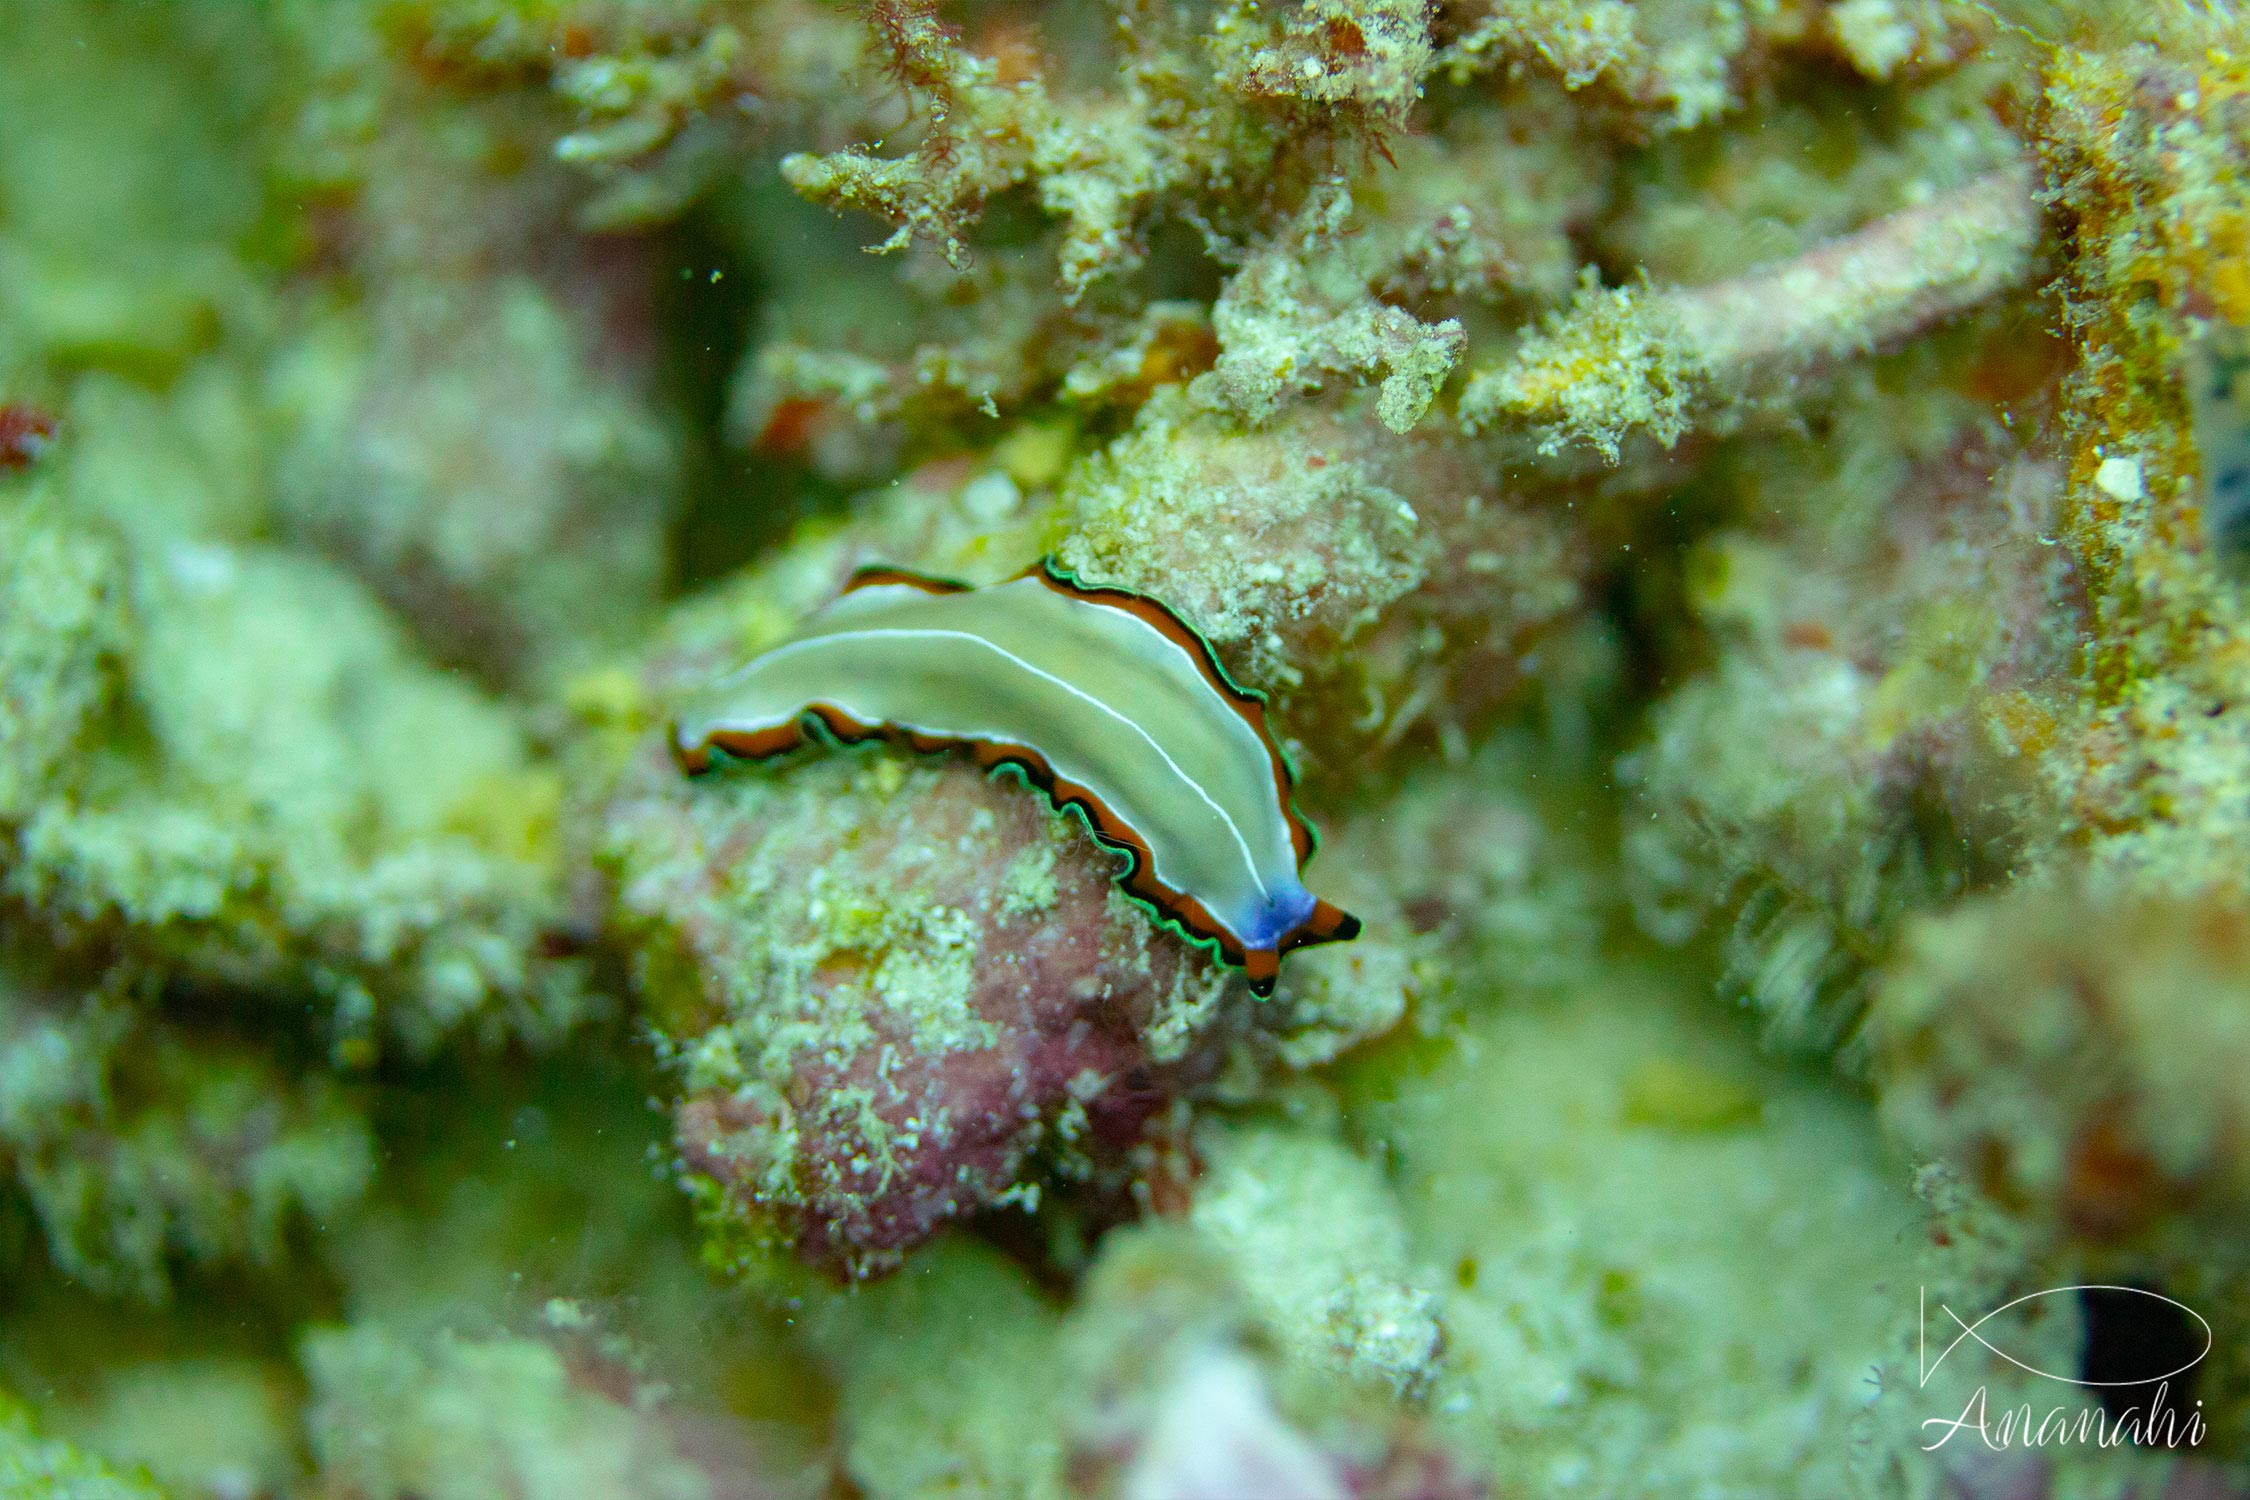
x=1735 y=510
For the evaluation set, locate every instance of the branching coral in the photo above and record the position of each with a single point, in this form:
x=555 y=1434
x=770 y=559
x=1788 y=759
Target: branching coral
x=1638 y=359
x=1188 y=123
x=990 y=125
x=1278 y=337
x=1629 y=445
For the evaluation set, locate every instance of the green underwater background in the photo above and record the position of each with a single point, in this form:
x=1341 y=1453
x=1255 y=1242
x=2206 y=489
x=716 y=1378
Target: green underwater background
x=1740 y=510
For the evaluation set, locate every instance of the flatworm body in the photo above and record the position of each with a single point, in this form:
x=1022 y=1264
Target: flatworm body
x=1102 y=698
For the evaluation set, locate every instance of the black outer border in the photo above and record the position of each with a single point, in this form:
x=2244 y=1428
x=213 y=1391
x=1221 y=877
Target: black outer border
x=1189 y=918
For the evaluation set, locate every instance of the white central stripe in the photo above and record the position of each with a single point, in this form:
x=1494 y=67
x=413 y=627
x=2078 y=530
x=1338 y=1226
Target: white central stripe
x=1249 y=860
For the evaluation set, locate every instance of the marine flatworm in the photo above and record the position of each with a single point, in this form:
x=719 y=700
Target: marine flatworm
x=1103 y=698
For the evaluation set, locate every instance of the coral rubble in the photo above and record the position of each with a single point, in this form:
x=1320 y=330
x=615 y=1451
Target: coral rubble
x=1737 y=511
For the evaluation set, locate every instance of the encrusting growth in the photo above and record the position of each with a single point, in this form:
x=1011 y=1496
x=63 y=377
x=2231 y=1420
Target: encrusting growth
x=1762 y=481
x=1665 y=360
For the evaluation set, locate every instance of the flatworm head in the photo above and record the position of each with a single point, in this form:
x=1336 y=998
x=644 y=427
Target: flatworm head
x=1102 y=698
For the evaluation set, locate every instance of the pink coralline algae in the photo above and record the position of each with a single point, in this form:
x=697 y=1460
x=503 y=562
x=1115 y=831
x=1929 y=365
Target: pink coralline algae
x=948 y=983
x=899 y=995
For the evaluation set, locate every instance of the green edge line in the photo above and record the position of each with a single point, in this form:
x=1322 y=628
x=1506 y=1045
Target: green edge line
x=823 y=740
x=1062 y=574
x=1132 y=867
x=1056 y=570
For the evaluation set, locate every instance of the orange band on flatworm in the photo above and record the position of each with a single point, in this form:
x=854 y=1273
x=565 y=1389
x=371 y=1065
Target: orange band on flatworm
x=1104 y=699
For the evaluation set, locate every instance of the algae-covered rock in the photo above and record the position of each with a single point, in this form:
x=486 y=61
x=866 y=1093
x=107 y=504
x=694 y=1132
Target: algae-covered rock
x=464 y=1418
x=855 y=1055
x=139 y=1142
x=1596 y=1188
x=473 y=422
x=269 y=811
x=63 y=620
x=1761 y=482
x=43 y=1469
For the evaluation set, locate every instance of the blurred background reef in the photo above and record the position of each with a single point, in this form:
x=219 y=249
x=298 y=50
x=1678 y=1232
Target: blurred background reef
x=1742 y=511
